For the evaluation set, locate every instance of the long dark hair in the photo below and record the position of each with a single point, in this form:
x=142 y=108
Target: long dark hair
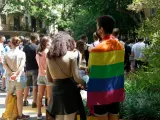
x=43 y=44
x=61 y=43
x=80 y=46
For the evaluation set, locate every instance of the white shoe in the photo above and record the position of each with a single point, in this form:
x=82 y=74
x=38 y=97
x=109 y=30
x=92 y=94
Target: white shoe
x=39 y=117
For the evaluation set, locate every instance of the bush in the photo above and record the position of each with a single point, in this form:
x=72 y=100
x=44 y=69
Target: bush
x=141 y=105
x=142 y=96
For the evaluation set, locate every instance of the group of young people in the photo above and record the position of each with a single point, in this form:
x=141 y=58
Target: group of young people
x=60 y=67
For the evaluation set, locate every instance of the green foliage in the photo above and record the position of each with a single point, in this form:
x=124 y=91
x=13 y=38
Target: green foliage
x=142 y=96
x=82 y=15
x=142 y=88
x=141 y=105
x=40 y=9
x=143 y=81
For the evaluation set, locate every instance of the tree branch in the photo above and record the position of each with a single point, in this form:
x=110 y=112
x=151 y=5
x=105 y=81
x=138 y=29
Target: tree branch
x=130 y=13
x=1 y=9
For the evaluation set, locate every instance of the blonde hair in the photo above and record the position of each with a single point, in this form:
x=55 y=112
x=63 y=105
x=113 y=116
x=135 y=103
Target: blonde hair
x=16 y=41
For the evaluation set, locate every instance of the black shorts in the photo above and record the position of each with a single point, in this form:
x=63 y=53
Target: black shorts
x=113 y=108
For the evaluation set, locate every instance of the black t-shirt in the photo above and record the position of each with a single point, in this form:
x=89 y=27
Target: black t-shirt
x=86 y=55
x=127 y=53
x=30 y=51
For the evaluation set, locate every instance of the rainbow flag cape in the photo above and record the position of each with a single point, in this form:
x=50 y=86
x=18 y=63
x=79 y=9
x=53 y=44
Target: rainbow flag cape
x=106 y=73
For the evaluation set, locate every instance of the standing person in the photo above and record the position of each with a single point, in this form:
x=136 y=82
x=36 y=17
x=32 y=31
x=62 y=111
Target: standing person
x=127 y=62
x=106 y=73
x=64 y=102
x=84 y=38
x=116 y=33
x=14 y=63
x=81 y=59
x=42 y=81
x=137 y=53
x=2 y=70
x=96 y=41
x=31 y=69
x=131 y=58
x=8 y=46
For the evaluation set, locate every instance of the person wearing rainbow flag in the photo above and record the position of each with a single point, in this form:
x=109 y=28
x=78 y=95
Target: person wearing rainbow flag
x=106 y=72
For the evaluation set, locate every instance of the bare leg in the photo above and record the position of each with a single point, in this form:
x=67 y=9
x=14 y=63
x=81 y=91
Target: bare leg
x=26 y=90
x=49 y=92
x=41 y=89
x=66 y=117
x=105 y=117
x=19 y=102
x=3 y=82
x=34 y=94
x=113 y=117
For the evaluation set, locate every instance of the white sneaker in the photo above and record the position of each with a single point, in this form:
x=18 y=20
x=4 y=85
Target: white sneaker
x=39 y=117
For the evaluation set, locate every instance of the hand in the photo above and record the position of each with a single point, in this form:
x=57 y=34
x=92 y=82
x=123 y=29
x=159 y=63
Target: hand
x=87 y=71
x=13 y=77
x=83 y=87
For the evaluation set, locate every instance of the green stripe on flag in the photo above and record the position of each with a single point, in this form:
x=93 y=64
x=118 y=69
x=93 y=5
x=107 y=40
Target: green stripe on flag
x=106 y=71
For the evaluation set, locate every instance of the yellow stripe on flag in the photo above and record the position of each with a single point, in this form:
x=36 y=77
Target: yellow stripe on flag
x=106 y=58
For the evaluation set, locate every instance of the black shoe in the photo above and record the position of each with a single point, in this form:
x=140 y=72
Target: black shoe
x=23 y=117
x=25 y=103
x=34 y=105
x=3 y=89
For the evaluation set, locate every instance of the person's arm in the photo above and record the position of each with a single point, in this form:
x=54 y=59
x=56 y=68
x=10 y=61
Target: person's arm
x=74 y=69
x=37 y=59
x=49 y=77
x=132 y=51
x=9 y=71
x=22 y=64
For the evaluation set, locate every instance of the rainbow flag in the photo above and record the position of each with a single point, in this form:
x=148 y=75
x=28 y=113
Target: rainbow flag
x=106 y=73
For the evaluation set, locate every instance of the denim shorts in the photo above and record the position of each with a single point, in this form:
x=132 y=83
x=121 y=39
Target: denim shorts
x=42 y=80
x=31 y=77
x=2 y=70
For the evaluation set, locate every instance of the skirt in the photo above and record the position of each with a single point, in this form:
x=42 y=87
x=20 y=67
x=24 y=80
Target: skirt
x=64 y=98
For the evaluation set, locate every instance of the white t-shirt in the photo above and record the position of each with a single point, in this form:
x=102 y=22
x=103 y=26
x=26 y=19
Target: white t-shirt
x=137 y=49
x=94 y=44
x=2 y=52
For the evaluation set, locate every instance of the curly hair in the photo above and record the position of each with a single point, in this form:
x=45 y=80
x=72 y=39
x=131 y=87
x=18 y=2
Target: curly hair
x=61 y=43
